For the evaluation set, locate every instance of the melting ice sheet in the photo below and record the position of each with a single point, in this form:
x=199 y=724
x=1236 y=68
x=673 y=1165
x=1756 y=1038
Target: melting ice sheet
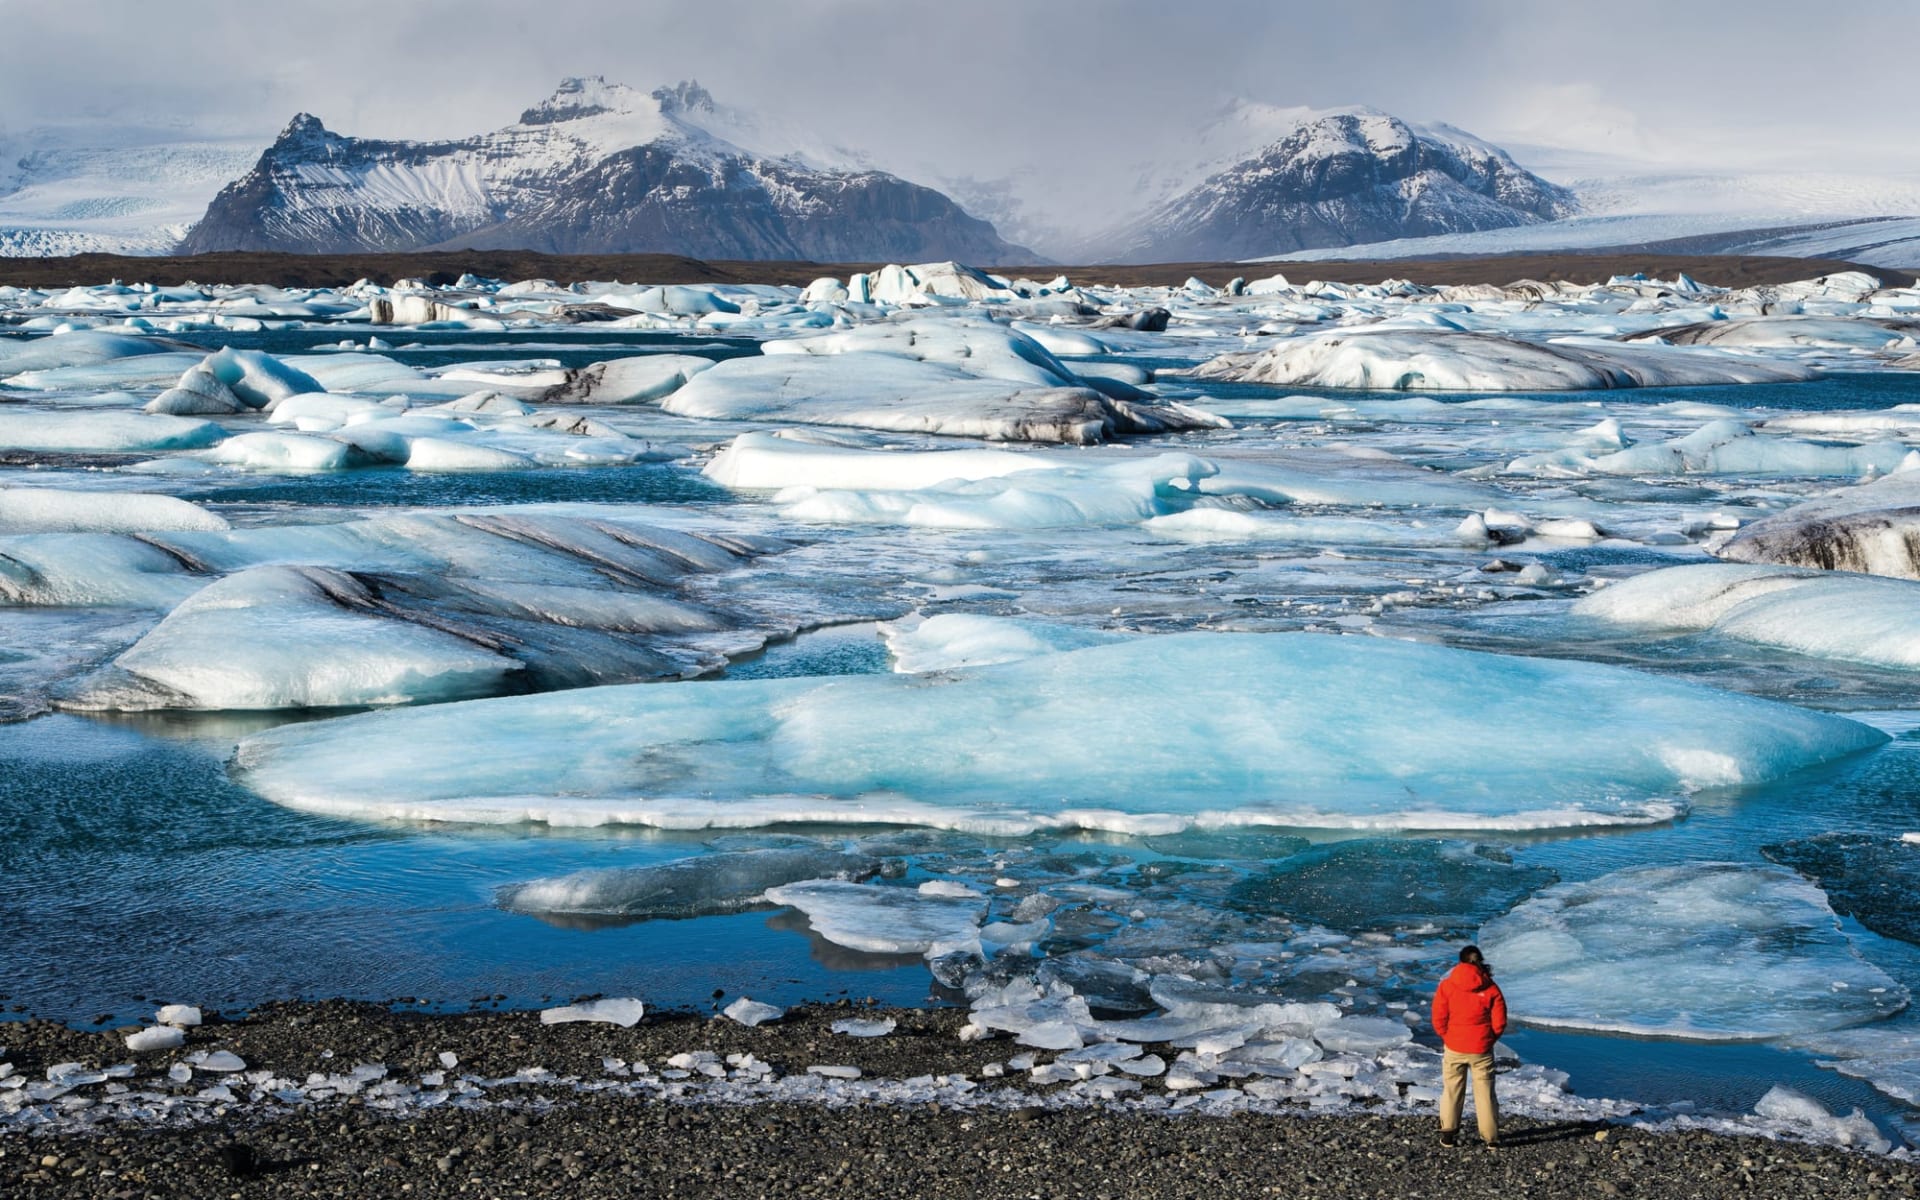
x=1148 y=736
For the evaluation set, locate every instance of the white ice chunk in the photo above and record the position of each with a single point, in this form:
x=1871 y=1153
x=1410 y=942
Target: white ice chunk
x=259 y=379
x=1709 y=951
x=951 y=641
x=1810 y=1118
x=622 y=1011
x=182 y=1015
x=859 y=1028
x=158 y=1037
x=219 y=1060
x=885 y=920
x=753 y=1012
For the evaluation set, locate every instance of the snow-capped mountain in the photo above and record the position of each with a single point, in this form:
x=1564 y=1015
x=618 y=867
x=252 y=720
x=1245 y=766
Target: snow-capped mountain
x=596 y=168
x=114 y=189
x=1334 y=178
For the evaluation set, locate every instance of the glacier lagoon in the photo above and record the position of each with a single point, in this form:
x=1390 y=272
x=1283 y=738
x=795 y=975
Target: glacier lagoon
x=1275 y=705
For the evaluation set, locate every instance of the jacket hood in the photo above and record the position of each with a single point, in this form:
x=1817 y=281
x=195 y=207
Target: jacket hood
x=1470 y=976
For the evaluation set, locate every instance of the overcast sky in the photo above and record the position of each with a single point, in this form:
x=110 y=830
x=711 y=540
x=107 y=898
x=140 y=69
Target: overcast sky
x=989 y=85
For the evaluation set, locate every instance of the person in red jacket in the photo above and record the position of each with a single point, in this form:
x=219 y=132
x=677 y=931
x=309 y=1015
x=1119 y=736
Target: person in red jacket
x=1469 y=1014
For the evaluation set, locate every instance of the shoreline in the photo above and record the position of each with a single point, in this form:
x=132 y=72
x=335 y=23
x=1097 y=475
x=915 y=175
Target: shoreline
x=528 y=1107
x=443 y=268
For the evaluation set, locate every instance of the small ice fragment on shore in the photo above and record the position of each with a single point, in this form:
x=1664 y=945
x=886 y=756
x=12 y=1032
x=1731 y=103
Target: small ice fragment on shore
x=753 y=1012
x=1146 y=1068
x=219 y=1060
x=993 y=1071
x=1811 y=1117
x=179 y=1015
x=160 y=1037
x=73 y=1074
x=834 y=1072
x=180 y=1073
x=449 y=1059
x=856 y=1027
x=433 y=1079
x=623 y=1011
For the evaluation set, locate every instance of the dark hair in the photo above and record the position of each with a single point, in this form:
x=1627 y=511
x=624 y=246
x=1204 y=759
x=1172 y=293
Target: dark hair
x=1471 y=954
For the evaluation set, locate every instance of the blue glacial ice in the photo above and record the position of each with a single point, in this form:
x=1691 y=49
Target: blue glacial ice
x=1706 y=951
x=1152 y=735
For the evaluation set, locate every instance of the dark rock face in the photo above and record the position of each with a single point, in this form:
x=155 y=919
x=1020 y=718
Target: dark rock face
x=1341 y=180
x=561 y=182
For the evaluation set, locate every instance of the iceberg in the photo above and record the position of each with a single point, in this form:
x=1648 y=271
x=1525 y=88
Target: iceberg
x=1822 y=614
x=1704 y=951
x=301 y=637
x=1404 y=360
x=868 y=390
x=1872 y=527
x=392 y=609
x=1151 y=735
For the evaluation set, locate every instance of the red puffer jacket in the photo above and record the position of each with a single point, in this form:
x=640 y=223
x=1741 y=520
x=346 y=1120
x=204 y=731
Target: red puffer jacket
x=1469 y=1013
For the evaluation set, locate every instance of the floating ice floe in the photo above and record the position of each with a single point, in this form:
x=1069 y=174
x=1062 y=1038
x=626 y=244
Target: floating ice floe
x=961 y=376
x=688 y=887
x=1872 y=527
x=1822 y=614
x=879 y=919
x=988 y=489
x=1706 y=951
x=623 y=1011
x=1446 y=360
x=1284 y=729
x=1720 y=448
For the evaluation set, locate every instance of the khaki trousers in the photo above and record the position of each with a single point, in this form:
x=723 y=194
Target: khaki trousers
x=1454 y=1068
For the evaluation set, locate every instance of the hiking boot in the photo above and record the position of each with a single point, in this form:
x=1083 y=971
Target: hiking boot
x=1449 y=1137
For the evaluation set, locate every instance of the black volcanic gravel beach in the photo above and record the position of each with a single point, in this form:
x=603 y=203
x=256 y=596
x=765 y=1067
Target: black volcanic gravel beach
x=541 y=1140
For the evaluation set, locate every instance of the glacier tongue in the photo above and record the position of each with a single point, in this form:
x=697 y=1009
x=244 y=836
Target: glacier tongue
x=1709 y=951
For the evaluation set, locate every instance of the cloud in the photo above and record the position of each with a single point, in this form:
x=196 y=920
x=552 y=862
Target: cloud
x=1074 y=96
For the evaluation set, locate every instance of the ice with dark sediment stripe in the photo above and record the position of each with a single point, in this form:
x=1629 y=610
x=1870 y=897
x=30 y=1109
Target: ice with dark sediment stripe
x=688 y=887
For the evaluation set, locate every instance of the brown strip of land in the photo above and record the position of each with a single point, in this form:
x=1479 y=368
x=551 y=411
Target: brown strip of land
x=442 y=268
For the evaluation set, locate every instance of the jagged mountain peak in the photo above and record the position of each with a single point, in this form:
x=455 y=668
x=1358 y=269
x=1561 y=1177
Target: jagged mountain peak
x=596 y=167
x=583 y=96
x=685 y=96
x=1306 y=179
